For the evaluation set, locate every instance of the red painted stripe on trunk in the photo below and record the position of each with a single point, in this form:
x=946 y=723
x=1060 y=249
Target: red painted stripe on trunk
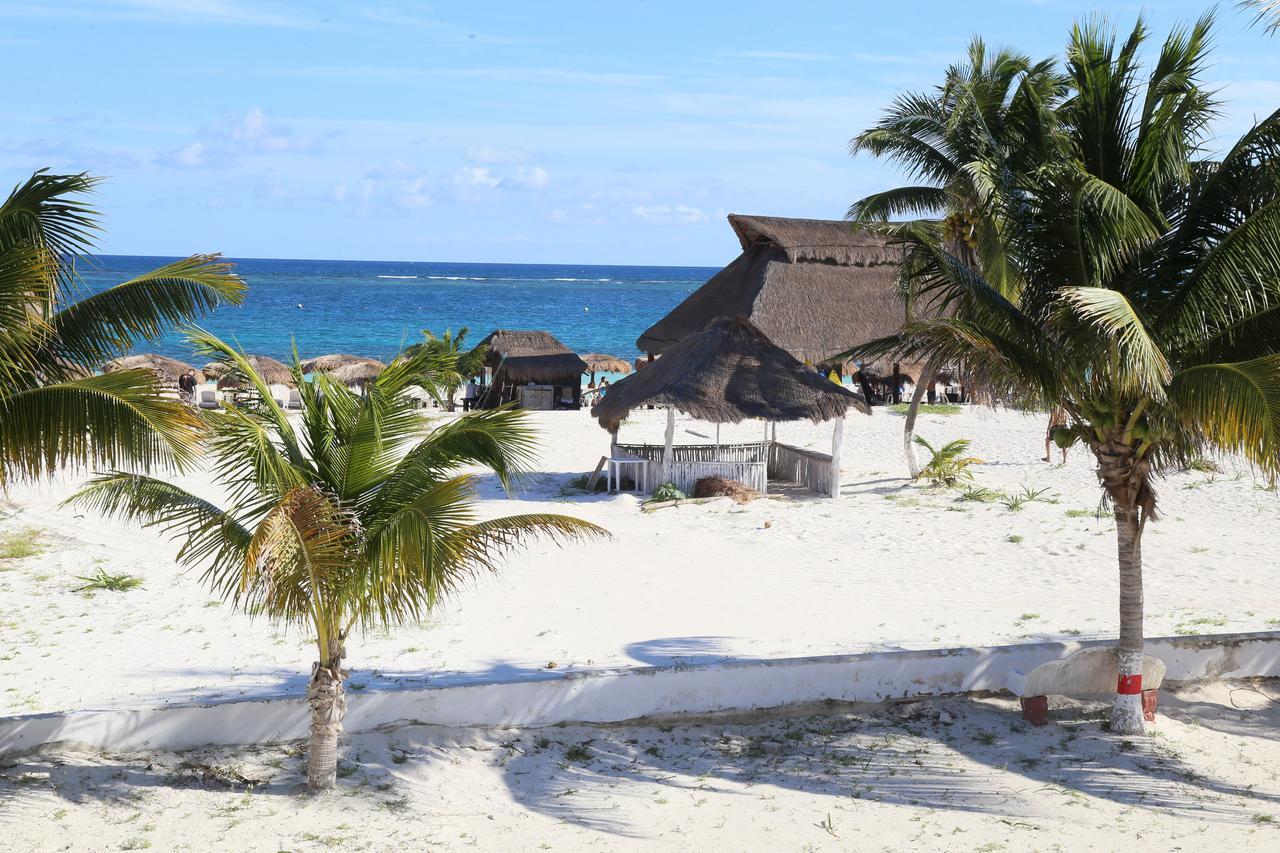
x=1129 y=685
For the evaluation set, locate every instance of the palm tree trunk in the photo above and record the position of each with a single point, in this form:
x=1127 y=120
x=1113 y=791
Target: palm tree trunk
x=909 y=431
x=1125 y=477
x=328 y=703
x=1126 y=714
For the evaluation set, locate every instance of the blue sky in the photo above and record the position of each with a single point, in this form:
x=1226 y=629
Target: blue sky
x=587 y=132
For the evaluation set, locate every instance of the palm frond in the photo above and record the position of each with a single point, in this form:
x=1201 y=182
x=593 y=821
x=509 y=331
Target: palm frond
x=1235 y=407
x=118 y=420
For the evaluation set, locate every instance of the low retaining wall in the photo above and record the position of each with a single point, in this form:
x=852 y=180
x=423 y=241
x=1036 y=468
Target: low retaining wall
x=614 y=695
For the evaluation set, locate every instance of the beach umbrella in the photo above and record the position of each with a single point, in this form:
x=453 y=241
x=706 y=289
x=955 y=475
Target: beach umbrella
x=273 y=372
x=599 y=362
x=167 y=370
x=358 y=372
x=334 y=361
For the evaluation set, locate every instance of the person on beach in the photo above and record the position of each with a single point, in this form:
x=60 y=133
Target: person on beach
x=1057 y=418
x=469 y=395
x=604 y=386
x=187 y=387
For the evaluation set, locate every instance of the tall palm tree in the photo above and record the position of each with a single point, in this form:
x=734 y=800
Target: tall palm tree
x=967 y=141
x=450 y=366
x=357 y=516
x=1266 y=12
x=1150 y=308
x=53 y=410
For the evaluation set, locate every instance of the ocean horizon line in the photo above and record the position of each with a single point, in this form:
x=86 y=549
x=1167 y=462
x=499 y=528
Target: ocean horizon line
x=236 y=258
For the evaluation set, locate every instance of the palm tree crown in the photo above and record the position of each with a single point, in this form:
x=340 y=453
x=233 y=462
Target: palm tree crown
x=357 y=515
x=53 y=410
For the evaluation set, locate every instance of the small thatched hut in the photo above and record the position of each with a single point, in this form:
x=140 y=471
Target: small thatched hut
x=531 y=368
x=727 y=373
x=167 y=370
x=815 y=287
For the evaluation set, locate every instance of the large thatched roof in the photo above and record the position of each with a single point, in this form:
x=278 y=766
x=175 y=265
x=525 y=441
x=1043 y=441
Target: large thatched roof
x=167 y=370
x=727 y=373
x=815 y=287
x=525 y=356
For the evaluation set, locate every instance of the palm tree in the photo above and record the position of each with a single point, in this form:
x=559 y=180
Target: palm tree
x=357 y=516
x=990 y=120
x=54 y=411
x=1150 y=305
x=1266 y=12
x=450 y=366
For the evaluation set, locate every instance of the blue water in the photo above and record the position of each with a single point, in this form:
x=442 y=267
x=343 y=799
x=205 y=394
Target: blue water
x=374 y=308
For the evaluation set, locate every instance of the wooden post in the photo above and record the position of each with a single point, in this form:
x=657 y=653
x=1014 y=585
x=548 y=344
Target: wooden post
x=667 y=452
x=765 y=490
x=897 y=383
x=717 y=457
x=837 y=444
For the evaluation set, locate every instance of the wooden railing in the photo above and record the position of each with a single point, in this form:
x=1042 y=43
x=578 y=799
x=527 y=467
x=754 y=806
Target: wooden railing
x=753 y=463
x=746 y=463
x=806 y=467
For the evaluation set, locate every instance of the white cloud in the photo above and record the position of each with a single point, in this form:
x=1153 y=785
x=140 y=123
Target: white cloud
x=257 y=132
x=664 y=213
x=780 y=55
x=529 y=178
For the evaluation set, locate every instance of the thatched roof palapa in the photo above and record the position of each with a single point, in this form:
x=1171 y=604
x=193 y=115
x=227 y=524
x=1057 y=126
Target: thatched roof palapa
x=815 y=287
x=598 y=362
x=532 y=356
x=167 y=370
x=273 y=372
x=334 y=361
x=727 y=373
x=358 y=372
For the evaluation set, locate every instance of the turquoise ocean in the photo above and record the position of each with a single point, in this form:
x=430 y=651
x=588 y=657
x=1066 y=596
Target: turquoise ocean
x=374 y=308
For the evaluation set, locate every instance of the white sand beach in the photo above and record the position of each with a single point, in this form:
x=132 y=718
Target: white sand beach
x=942 y=774
x=888 y=565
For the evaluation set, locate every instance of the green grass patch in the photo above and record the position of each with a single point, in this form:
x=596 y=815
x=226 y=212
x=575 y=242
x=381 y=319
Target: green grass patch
x=944 y=409
x=102 y=580
x=1081 y=513
x=1013 y=538
x=21 y=544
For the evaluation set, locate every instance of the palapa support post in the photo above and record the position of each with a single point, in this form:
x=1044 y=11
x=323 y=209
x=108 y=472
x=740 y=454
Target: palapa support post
x=765 y=481
x=667 y=451
x=837 y=444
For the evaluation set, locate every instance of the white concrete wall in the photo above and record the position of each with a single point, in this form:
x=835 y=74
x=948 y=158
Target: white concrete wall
x=623 y=694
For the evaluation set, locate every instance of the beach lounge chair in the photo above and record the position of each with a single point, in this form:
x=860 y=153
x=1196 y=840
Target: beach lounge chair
x=208 y=400
x=1087 y=671
x=293 y=401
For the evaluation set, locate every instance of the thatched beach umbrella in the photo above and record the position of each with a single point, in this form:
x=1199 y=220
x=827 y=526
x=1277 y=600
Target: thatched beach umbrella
x=599 y=362
x=167 y=370
x=727 y=373
x=273 y=372
x=358 y=372
x=333 y=361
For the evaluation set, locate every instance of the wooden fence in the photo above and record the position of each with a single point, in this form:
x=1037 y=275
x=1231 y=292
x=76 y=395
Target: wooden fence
x=753 y=464
x=797 y=465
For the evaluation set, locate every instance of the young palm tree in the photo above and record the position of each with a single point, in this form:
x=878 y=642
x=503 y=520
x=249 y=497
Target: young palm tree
x=990 y=120
x=356 y=516
x=53 y=410
x=451 y=364
x=1150 y=305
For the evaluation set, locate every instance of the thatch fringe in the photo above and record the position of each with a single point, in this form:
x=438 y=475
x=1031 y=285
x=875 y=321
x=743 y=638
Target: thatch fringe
x=532 y=356
x=727 y=373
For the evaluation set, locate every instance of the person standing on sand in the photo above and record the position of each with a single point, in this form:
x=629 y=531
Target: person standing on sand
x=187 y=387
x=469 y=395
x=1057 y=418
